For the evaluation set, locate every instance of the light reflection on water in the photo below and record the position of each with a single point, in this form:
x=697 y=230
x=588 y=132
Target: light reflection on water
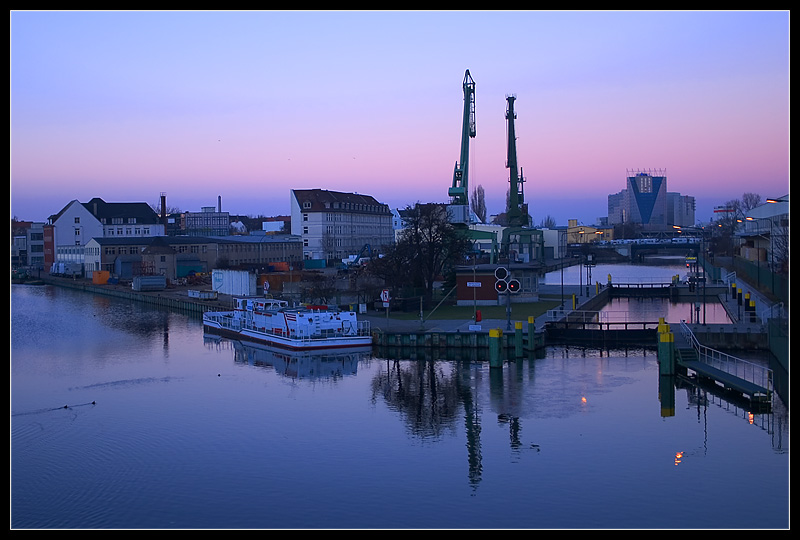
x=190 y=432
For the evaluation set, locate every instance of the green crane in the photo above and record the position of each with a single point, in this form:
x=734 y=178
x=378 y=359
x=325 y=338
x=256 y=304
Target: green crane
x=517 y=209
x=520 y=241
x=459 y=192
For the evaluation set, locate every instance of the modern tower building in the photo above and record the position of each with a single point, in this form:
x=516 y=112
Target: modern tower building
x=645 y=201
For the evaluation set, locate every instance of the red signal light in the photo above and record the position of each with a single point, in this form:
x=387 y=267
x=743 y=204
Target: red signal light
x=500 y=285
x=513 y=286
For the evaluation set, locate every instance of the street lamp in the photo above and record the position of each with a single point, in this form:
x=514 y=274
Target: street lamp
x=702 y=231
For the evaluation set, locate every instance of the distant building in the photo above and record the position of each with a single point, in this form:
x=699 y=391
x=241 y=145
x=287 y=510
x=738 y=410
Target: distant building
x=334 y=225
x=77 y=223
x=764 y=235
x=209 y=221
x=178 y=256
x=646 y=202
x=28 y=244
x=680 y=210
x=585 y=234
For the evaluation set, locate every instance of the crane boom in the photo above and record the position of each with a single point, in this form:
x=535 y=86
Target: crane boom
x=517 y=209
x=459 y=191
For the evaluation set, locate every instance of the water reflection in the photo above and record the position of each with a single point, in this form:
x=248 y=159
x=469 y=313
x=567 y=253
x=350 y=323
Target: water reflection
x=293 y=364
x=171 y=444
x=651 y=309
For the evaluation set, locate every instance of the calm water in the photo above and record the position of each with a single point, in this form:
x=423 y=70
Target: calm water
x=125 y=416
x=644 y=309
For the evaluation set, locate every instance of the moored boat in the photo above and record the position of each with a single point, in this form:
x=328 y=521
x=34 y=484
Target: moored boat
x=273 y=322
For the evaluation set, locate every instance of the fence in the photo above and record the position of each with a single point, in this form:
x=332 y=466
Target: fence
x=747 y=371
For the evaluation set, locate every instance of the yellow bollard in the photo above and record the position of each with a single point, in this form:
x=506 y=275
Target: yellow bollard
x=666 y=353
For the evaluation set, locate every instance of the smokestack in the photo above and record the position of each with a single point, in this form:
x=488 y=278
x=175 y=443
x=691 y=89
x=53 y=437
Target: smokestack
x=164 y=210
x=219 y=203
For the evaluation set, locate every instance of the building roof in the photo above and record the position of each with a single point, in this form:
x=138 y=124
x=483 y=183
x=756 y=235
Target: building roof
x=103 y=210
x=107 y=211
x=322 y=200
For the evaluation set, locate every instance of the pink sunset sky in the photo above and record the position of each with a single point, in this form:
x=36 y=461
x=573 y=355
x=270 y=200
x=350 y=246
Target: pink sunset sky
x=249 y=105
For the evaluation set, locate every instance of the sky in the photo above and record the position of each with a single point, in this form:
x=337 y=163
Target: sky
x=244 y=106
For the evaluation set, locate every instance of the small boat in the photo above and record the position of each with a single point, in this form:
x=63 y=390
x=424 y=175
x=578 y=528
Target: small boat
x=273 y=322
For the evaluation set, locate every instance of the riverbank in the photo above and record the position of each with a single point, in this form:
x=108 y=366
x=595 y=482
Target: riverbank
x=747 y=327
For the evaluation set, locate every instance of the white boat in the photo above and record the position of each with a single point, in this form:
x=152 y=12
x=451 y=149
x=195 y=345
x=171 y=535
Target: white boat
x=273 y=322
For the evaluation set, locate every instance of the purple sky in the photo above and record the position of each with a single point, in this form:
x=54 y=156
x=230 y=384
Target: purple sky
x=248 y=105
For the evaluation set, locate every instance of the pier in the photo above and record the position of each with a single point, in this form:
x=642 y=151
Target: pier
x=680 y=354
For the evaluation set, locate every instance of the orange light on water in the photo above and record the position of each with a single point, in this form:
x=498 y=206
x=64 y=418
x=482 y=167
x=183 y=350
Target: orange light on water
x=678 y=458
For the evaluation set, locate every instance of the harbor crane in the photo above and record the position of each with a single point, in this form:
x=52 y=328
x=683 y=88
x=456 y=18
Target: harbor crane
x=517 y=209
x=520 y=241
x=459 y=202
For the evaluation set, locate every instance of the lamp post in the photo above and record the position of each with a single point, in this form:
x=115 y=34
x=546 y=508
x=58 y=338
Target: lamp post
x=701 y=230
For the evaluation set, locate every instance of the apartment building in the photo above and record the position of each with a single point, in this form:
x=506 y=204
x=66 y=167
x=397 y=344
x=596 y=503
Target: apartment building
x=334 y=225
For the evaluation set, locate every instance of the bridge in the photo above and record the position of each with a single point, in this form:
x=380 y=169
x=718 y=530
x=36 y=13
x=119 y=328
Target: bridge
x=636 y=250
x=638 y=289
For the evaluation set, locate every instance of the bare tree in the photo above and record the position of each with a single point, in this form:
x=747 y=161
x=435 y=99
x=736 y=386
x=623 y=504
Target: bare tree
x=429 y=247
x=478 y=203
x=548 y=222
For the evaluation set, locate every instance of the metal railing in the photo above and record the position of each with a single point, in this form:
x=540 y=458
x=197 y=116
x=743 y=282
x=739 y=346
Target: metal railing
x=605 y=316
x=747 y=371
x=227 y=321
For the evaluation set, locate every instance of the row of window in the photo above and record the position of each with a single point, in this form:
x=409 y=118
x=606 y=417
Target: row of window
x=192 y=248
x=358 y=207
x=114 y=221
x=128 y=231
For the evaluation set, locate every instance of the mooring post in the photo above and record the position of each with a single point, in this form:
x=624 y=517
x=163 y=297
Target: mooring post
x=531 y=333
x=518 y=338
x=666 y=349
x=494 y=348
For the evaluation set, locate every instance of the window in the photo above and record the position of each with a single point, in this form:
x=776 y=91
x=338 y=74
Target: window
x=77 y=220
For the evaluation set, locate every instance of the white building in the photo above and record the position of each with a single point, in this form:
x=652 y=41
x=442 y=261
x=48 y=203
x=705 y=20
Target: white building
x=77 y=223
x=335 y=225
x=764 y=234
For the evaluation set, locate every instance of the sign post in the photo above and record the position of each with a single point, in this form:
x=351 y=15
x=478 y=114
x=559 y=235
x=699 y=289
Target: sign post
x=385 y=299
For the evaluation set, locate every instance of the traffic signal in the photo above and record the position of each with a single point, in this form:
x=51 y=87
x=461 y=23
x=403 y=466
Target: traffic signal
x=505 y=283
